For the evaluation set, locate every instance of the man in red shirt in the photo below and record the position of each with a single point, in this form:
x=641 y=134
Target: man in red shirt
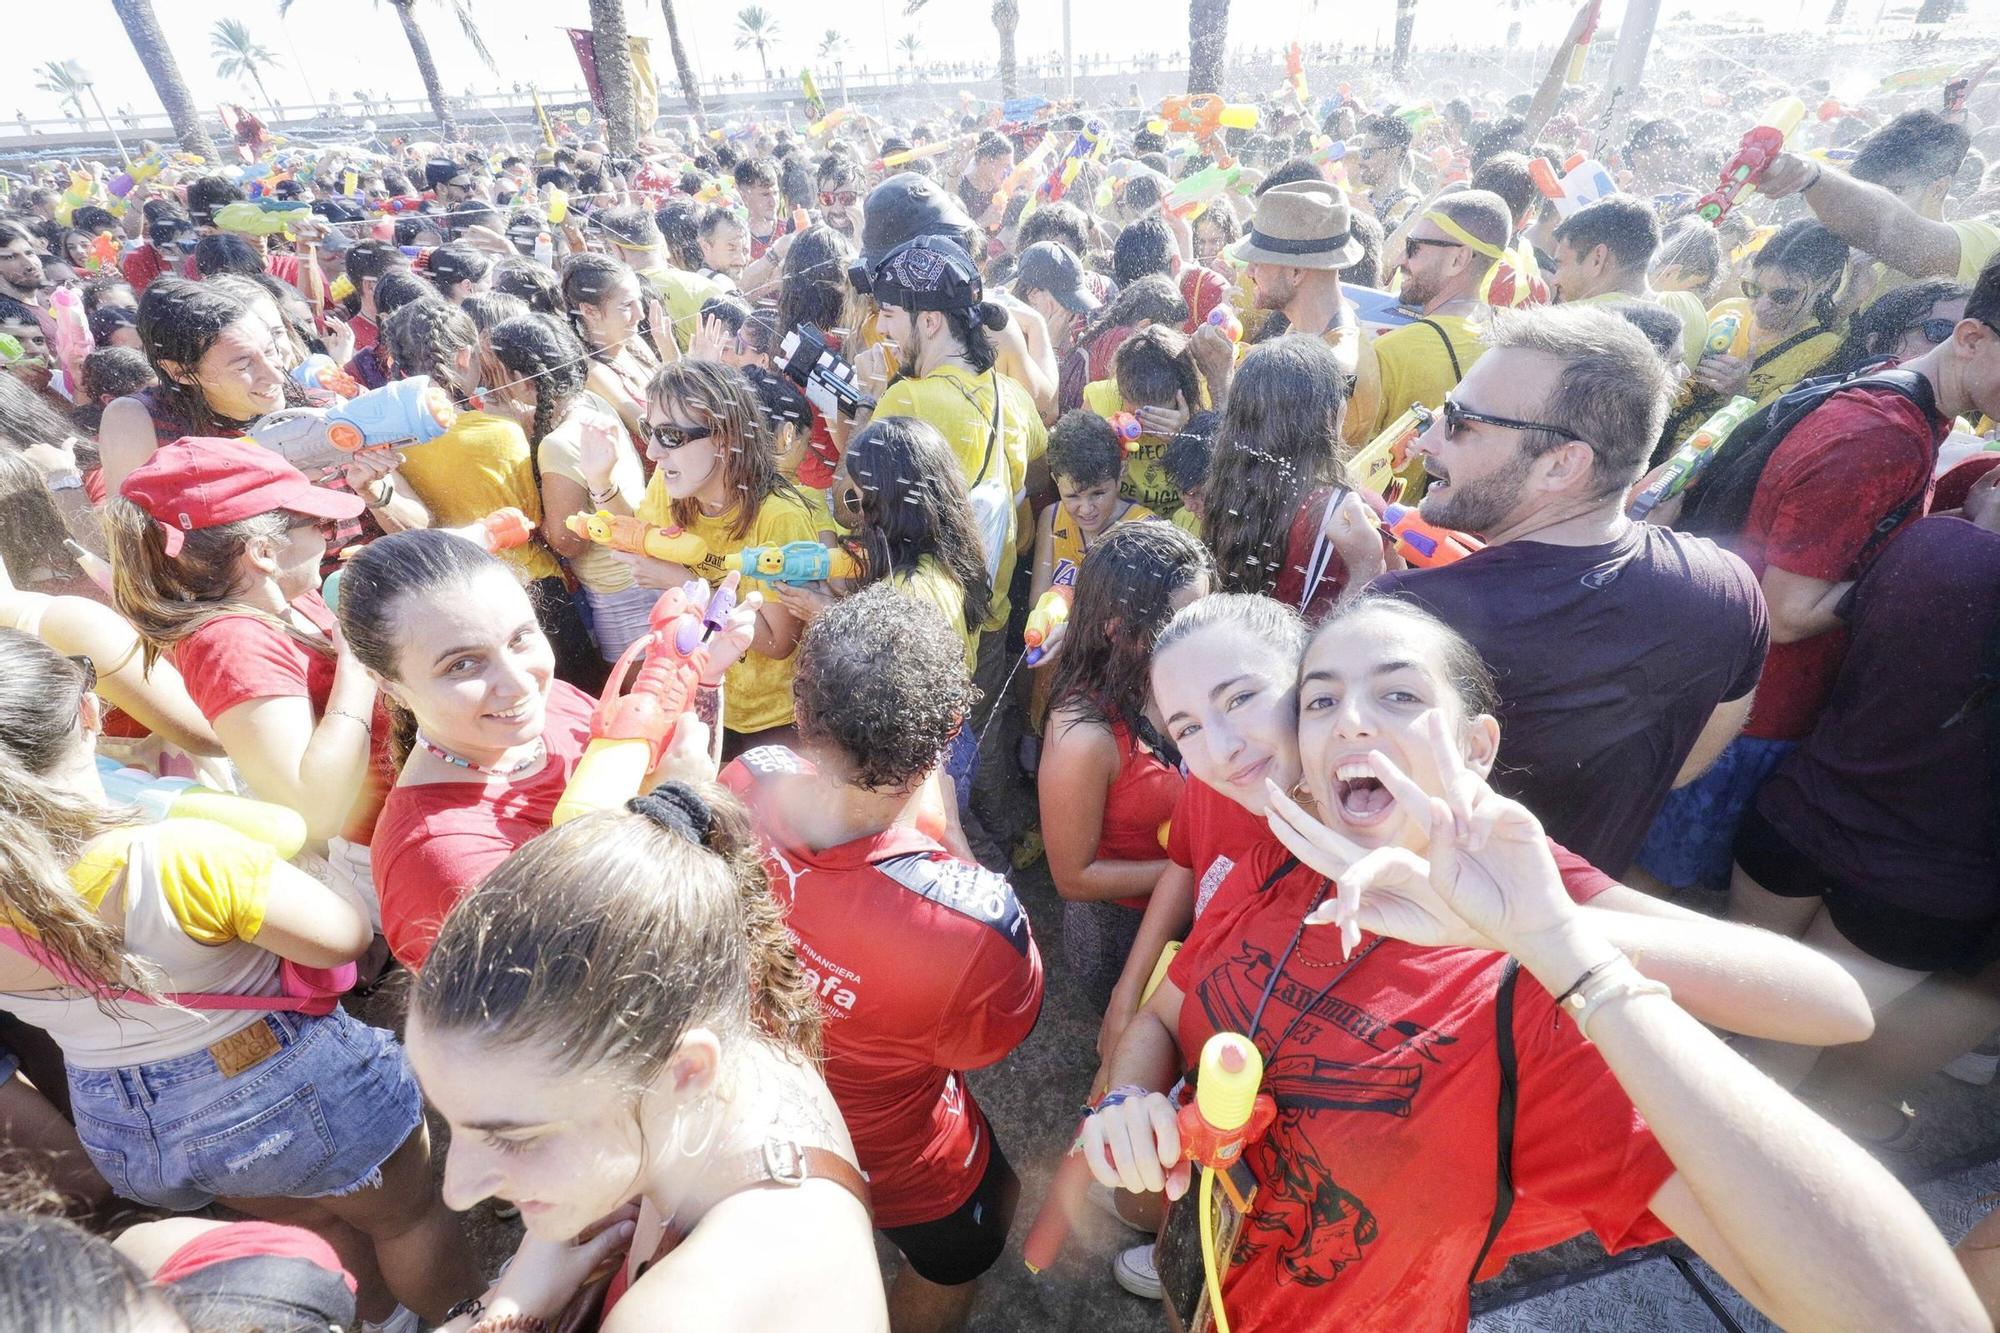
x=923 y=960
x=1839 y=486
x=169 y=249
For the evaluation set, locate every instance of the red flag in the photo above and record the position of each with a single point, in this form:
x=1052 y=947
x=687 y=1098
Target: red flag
x=586 y=56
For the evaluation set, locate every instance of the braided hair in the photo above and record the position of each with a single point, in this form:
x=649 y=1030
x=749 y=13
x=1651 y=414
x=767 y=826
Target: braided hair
x=425 y=338
x=543 y=351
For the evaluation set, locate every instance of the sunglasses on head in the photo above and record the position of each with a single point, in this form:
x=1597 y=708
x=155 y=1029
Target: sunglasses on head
x=89 y=671
x=1455 y=416
x=673 y=437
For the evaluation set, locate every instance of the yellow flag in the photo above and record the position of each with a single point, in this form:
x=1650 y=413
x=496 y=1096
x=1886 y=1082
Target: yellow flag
x=645 y=88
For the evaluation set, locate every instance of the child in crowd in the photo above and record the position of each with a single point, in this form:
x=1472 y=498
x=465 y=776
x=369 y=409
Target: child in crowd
x=1157 y=384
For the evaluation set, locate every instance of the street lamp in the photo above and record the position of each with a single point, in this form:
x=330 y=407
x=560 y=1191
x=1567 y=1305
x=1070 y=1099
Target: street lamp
x=83 y=76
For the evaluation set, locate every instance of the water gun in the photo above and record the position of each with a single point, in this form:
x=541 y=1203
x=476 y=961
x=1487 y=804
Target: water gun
x=1227 y=1114
x=103 y=253
x=1754 y=155
x=630 y=733
x=1071 y=1181
x=622 y=532
x=794 y=563
x=405 y=203
x=904 y=156
x=75 y=195
x=1728 y=334
x=1118 y=173
x=1025 y=172
x=411 y=411
x=1424 y=544
x=1579 y=53
x=261 y=217
x=140 y=172
x=501 y=530
x=1049 y=613
x=1375 y=465
x=320 y=371
x=71 y=341
x=278 y=827
x=832 y=120
x=1189 y=197
x=1584 y=181
x=1126 y=427
x=1224 y=321
x=1205 y=115
x=1693 y=455
x=1088 y=144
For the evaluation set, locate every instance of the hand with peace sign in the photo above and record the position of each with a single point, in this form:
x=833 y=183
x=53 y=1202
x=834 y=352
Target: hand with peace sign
x=1483 y=878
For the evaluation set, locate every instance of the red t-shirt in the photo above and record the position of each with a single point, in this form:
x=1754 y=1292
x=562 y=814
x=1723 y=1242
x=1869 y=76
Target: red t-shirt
x=1833 y=478
x=1140 y=799
x=436 y=840
x=234 y=659
x=1376 y=1181
x=1295 y=586
x=365 y=330
x=1952 y=490
x=897 y=1034
x=250 y=1240
x=145 y=263
x=1210 y=834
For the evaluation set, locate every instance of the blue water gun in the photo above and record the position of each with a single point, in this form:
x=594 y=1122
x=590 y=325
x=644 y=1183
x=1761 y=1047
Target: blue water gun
x=411 y=411
x=794 y=563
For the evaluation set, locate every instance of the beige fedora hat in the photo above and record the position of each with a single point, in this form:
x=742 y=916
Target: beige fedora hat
x=1301 y=225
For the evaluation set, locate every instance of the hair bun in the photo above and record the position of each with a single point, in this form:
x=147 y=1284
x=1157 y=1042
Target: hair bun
x=677 y=807
x=992 y=315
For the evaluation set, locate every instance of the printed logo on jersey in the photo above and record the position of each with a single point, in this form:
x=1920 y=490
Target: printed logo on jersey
x=967 y=889
x=1211 y=880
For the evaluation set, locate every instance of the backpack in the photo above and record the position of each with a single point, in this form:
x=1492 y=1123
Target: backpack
x=1717 y=504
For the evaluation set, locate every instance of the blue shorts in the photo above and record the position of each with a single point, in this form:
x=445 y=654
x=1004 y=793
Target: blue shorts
x=1689 y=844
x=318 y=1117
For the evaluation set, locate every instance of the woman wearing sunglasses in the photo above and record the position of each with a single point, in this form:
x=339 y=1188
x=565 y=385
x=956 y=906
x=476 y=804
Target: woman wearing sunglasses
x=1363 y=953
x=1902 y=324
x=717 y=476
x=1791 y=306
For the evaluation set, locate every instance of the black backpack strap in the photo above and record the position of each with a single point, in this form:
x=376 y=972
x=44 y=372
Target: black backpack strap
x=1449 y=350
x=1510 y=1087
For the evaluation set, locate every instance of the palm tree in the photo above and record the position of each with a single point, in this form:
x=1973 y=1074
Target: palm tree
x=142 y=27
x=1208 y=36
x=420 y=48
x=909 y=46
x=1006 y=15
x=755 y=26
x=690 y=86
x=832 y=44
x=237 y=53
x=614 y=74
x=61 y=78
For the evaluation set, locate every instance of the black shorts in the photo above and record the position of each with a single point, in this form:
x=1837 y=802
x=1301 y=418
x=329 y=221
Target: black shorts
x=958 y=1247
x=1883 y=929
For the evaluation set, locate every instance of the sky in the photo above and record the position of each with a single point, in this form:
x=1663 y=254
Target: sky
x=360 y=45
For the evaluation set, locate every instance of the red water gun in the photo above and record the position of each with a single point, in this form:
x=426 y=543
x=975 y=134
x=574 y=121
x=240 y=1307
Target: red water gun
x=629 y=733
x=1754 y=156
x=1127 y=428
x=1425 y=545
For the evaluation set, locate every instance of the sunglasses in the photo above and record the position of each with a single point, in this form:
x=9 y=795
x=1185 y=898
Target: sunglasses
x=673 y=437
x=1757 y=291
x=1935 y=331
x=1455 y=416
x=89 y=669
x=1419 y=242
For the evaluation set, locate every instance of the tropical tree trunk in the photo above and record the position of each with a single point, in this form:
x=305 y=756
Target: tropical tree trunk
x=1007 y=18
x=614 y=74
x=1208 y=38
x=142 y=26
x=277 y=112
x=420 y=47
x=690 y=88
x=1406 y=28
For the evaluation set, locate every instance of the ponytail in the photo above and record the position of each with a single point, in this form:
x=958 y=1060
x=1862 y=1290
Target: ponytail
x=168 y=597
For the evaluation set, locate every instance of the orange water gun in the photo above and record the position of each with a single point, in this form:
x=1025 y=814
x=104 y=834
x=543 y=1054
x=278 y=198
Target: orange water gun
x=1205 y=115
x=1424 y=544
x=1126 y=427
x=1754 y=156
x=630 y=733
x=622 y=532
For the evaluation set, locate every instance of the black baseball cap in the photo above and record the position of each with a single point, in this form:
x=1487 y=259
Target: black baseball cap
x=443 y=172
x=1048 y=266
x=905 y=206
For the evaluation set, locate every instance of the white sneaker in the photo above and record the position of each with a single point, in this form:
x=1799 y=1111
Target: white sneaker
x=1106 y=1199
x=1133 y=1270
x=1977 y=1066
x=404 y=1320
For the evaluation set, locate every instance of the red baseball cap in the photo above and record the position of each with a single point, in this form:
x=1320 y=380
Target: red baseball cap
x=203 y=482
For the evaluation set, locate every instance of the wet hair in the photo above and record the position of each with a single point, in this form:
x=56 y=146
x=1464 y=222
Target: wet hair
x=1123 y=601
x=516 y=275
x=1507 y=175
x=730 y=311
x=1143 y=248
x=1612 y=391
x=425 y=338
x=1061 y=221
x=992 y=145
x=1392 y=129
x=676 y=221
x=913 y=502
x=814 y=288
x=605 y=941
x=44 y=828
x=489 y=309
x=100 y=287
x=755 y=171
x=881 y=680
x=1460 y=664
x=544 y=351
x=1279 y=442
x=1084 y=448
x=31 y=531
x=455 y=263
x=179 y=321
x=205 y=194
x=1915 y=148
x=587 y=279
x=226 y=252
x=1154 y=365
x=26 y=417
x=55 y=1277
x=112 y=371
x=1625 y=226
x=1808 y=249
x=1190 y=453
x=1879 y=326
x=1223 y=221
x=1692 y=246
x=369 y=259
x=1661 y=326
x=720 y=396
x=425 y=564
x=398 y=288
x=1155 y=298
x=1983 y=302
x=716 y=219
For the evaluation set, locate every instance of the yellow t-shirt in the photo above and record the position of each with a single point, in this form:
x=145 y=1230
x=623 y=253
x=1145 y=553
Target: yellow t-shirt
x=1978 y=242
x=1404 y=366
x=480 y=465
x=757 y=692
x=683 y=294
x=1185 y=519
x=1145 y=480
x=214 y=880
x=960 y=405
x=930 y=582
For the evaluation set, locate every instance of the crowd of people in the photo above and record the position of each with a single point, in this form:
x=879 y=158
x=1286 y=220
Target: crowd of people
x=1481 y=621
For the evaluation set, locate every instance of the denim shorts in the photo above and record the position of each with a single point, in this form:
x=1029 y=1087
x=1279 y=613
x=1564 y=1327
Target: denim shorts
x=1689 y=843
x=317 y=1118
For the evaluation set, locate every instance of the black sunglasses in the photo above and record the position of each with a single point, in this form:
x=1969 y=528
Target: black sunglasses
x=1781 y=295
x=1456 y=416
x=1419 y=242
x=89 y=671
x=1935 y=331
x=673 y=437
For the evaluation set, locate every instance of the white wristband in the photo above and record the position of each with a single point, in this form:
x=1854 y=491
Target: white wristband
x=1601 y=986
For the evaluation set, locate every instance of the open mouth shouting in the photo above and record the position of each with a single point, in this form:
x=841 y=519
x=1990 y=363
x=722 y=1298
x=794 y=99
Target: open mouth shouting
x=1360 y=796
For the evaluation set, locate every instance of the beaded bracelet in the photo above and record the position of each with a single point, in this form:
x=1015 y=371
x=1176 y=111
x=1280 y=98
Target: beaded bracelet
x=1123 y=1093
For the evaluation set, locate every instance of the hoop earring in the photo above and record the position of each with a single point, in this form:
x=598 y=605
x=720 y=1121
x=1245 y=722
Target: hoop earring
x=708 y=1135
